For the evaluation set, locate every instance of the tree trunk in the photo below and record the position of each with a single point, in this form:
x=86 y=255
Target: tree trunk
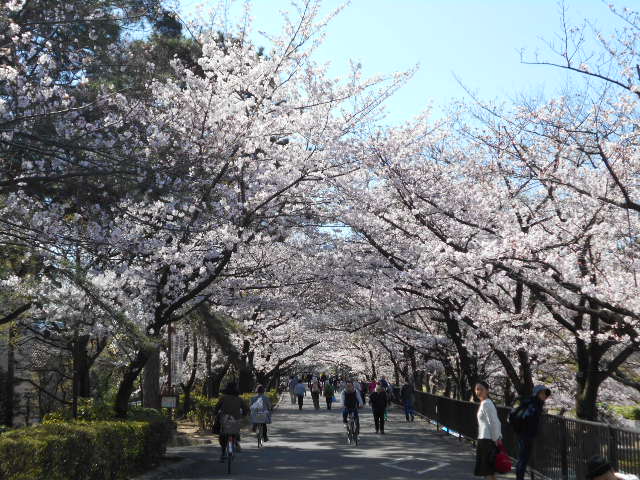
x=9 y=386
x=374 y=373
x=586 y=399
x=208 y=379
x=188 y=387
x=447 y=387
x=151 y=381
x=245 y=372
x=217 y=377
x=125 y=389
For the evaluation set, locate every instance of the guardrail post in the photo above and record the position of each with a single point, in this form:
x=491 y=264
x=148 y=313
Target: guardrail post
x=564 y=452
x=437 y=408
x=613 y=447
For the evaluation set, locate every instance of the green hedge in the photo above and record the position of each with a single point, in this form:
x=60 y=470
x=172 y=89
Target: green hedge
x=99 y=450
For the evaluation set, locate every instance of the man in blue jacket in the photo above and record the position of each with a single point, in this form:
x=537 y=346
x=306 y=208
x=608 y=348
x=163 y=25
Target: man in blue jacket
x=532 y=412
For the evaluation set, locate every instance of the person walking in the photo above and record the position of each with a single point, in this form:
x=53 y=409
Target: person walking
x=261 y=406
x=293 y=381
x=329 y=392
x=407 y=396
x=372 y=386
x=300 y=392
x=489 y=432
x=316 y=390
x=527 y=420
x=378 y=402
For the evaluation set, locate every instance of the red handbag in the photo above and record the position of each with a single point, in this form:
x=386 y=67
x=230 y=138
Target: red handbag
x=503 y=462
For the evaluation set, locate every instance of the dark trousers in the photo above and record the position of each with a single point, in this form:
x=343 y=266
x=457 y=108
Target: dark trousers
x=329 y=401
x=378 y=419
x=345 y=414
x=316 y=400
x=525 y=446
x=300 y=401
x=408 y=409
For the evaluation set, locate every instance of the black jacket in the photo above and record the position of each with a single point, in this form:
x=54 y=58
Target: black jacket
x=378 y=401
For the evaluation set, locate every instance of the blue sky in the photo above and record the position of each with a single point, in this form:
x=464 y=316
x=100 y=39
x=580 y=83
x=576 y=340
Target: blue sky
x=478 y=41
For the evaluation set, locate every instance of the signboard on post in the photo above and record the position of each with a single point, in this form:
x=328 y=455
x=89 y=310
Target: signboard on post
x=177 y=348
x=169 y=401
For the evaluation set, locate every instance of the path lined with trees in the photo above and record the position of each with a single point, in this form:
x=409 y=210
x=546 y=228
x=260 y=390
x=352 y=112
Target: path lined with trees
x=181 y=207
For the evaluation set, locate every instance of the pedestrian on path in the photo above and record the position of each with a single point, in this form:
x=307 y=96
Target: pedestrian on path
x=378 y=402
x=489 y=432
x=528 y=414
x=372 y=386
x=261 y=408
x=292 y=386
x=300 y=392
x=407 y=396
x=316 y=390
x=329 y=392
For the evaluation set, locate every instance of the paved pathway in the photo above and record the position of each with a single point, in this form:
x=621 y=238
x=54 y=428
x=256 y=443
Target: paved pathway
x=311 y=445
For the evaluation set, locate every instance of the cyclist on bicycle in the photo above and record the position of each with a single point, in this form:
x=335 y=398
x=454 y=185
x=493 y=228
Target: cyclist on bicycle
x=267 y=407
x=351 y=401
x=231 y=404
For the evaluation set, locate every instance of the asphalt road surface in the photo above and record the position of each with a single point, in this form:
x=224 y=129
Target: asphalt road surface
x=310 y=445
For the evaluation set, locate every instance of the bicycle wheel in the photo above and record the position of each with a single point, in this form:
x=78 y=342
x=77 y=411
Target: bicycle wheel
x=230 y=443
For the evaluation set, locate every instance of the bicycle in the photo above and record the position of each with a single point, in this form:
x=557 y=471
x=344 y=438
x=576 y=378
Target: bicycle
x=260 y=418
x=230 y=449
x=260 y=434
x=231 y=431
x=352 y=429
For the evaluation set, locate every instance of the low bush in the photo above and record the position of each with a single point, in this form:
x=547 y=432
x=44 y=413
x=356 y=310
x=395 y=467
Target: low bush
x=81 y=450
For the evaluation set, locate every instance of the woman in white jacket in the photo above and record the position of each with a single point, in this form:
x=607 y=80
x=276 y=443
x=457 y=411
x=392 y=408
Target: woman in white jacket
x=489 y=432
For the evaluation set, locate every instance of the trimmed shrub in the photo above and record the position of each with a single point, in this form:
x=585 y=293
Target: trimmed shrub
x=100 y=450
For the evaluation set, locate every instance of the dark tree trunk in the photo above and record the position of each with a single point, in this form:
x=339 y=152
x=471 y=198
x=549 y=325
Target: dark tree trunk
x=151 y=381
x=509 y=397
x=188 y=387
x=447 y=387
x=374 y=372
x=217 y=377
x=81 y=367
x=208 y=379
x=245 y=372
x=9 y=386
x=127 y=384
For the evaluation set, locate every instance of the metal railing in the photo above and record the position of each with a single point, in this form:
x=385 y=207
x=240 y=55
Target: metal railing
x=561 y=449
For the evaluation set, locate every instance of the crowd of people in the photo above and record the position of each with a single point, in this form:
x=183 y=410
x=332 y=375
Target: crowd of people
x=524 y=418
x=353 y=395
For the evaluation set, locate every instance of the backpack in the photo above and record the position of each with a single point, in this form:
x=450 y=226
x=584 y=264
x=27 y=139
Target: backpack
x=519 y=415
x=258 y=405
